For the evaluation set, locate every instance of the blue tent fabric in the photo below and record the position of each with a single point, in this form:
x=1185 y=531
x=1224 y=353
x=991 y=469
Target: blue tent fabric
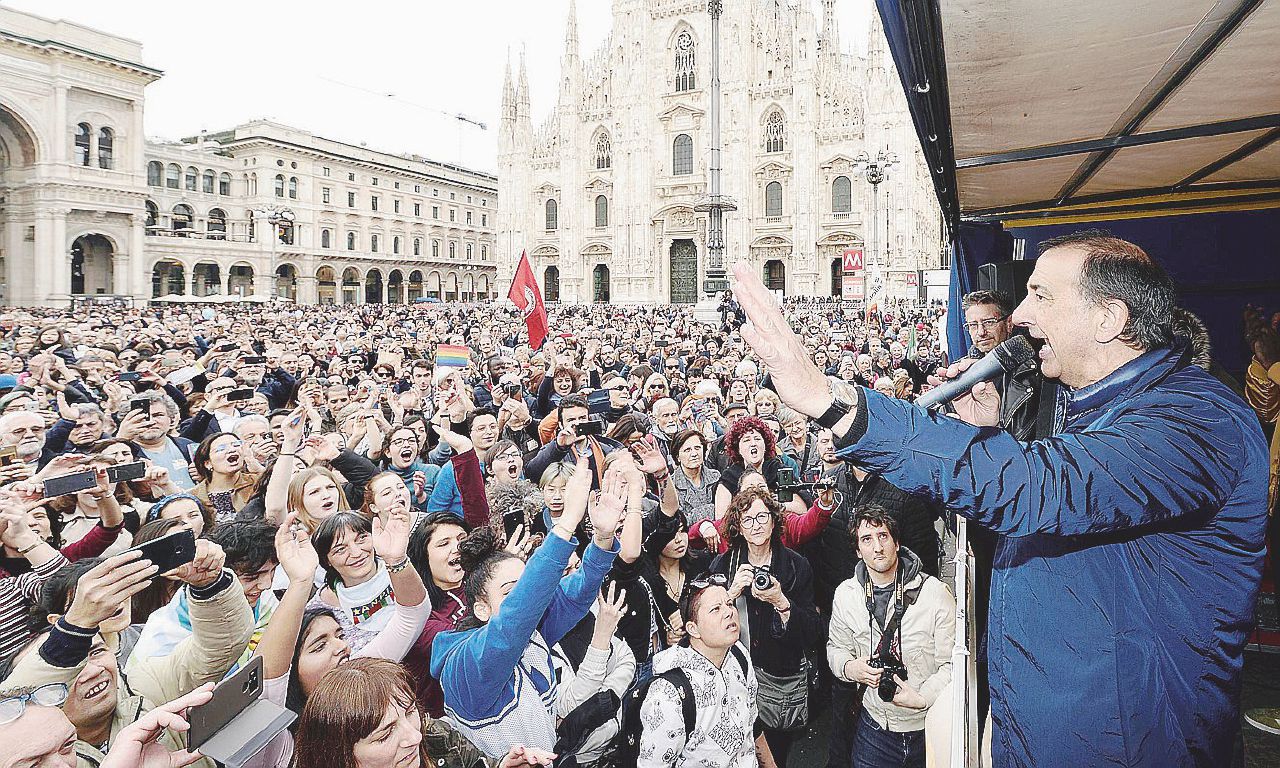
x=973 y=246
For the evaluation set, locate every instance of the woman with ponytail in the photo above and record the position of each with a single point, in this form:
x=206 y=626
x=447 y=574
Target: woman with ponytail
x=495 y=668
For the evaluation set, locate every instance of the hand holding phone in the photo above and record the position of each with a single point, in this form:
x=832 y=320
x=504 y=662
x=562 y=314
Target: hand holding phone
x=170 y=551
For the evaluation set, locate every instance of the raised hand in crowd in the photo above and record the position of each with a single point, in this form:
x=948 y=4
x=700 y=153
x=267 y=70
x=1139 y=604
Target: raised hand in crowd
x=137 y=745
x=104 y=589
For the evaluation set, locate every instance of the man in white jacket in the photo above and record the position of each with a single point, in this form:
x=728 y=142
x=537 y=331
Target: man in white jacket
x=890 y=614
x=723 y=683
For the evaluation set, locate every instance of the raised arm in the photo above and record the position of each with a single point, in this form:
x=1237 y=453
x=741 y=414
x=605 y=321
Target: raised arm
x=276 y=502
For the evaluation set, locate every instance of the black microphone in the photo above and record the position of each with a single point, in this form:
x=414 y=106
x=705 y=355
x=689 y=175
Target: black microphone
x=1015 y=352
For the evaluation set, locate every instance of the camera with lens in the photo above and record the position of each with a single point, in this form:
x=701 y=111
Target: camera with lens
x=788 y=487
x=892 y=667
x=761 y=578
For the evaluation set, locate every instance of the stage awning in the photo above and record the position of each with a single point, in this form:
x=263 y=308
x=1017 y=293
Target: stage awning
x=1033 y=109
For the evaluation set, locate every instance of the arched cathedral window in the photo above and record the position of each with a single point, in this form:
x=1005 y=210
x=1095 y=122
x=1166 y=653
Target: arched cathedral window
x=775 y=133
x=686 y=54
x=604 y=152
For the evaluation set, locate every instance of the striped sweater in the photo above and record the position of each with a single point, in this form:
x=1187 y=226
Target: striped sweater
x=17 y=594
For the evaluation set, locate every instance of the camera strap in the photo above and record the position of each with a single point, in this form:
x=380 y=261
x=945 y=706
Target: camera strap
x=892 y=630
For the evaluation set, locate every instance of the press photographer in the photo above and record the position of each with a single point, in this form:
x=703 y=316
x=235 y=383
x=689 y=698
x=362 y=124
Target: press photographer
x=892 y=628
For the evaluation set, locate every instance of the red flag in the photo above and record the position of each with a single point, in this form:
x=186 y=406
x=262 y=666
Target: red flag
x=527 y=297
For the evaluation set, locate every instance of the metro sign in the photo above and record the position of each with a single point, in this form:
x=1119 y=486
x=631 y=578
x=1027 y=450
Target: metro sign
x=852 y=260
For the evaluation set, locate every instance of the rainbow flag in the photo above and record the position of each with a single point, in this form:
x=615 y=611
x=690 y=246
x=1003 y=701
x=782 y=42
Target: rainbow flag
x=452 y=356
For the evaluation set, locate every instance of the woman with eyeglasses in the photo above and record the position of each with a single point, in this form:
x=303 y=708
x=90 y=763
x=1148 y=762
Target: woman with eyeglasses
x=401 y=456
x=226 y=482
x=772 y=586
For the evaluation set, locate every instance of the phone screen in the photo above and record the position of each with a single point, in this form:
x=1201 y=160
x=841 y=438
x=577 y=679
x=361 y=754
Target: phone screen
x=238 y=395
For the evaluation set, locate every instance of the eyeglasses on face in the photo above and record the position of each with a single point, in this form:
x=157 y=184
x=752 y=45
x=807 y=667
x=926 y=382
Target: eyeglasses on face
x=51 y=695
x=985 y=325
x=756 y=521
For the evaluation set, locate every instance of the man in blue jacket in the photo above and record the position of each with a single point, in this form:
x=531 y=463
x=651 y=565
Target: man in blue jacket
x=1130 y=542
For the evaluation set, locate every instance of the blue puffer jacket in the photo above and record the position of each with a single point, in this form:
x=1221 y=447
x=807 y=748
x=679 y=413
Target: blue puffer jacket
x=1130 y=560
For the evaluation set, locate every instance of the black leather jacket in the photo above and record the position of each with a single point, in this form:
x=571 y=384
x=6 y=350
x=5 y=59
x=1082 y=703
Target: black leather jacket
x=1019 y=398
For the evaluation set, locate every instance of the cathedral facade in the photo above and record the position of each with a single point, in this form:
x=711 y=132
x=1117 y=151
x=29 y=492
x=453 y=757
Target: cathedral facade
x=603 y=192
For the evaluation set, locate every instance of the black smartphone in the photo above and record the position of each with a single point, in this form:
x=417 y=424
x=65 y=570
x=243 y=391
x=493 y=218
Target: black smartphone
x=589 y=427
x=512 y=390
x=140 y=404
x=238 y=395
x=226 y=346
x=254 y=360
x=8 y=455
x=786 y=476
x=130 y=376
x=121 y=473
x=171 y=550
x=72 y=483
x=512 y=518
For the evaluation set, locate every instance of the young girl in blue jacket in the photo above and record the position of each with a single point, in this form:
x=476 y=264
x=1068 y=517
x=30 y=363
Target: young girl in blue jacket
x=495 y=669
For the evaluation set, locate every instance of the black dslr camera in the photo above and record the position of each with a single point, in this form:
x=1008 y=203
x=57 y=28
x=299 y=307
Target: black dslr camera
x=788 y=487
x=761 y=578
x=892 y=667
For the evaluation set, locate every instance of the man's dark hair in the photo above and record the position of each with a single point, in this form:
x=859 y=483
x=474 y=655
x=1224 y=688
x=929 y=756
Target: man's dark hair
x=874 y=516
x=249 y=545
x=1116 y=269
x=571 y=401
x=1002 y=301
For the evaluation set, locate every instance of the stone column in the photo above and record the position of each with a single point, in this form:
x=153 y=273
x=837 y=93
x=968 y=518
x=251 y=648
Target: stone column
x=58 y=253
x=61 y=130
x=139 y=282
x=308 y=289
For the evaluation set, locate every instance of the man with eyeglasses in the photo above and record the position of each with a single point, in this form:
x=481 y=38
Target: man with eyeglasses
x=217 y=415
x=988 y=319
x=33 y=729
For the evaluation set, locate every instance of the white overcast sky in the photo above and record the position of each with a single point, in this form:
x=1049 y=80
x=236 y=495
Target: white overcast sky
x=328 y=67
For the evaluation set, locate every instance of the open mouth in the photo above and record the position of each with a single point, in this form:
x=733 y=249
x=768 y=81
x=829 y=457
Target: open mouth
x=513 y=471
x=406 y=455
x=329 y=506
x=233 y=459
x=97 y=690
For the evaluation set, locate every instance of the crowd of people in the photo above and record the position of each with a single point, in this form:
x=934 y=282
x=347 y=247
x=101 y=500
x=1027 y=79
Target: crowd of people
x=623 y=548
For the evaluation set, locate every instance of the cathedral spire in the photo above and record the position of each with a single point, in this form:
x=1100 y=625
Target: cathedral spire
x=571 y=33
x=522 y=90
x=876 y=54
x=830 y=29
x=508 y=95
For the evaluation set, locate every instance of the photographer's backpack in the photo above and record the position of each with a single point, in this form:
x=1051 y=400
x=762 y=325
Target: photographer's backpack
x=624 y=751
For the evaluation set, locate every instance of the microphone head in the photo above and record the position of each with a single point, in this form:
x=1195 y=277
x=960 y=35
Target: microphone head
x=1014 y=353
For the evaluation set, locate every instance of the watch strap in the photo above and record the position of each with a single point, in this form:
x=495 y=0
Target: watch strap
x=833 y=414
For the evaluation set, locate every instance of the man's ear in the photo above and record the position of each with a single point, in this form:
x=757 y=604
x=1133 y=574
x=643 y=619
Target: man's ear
x=1111 y=317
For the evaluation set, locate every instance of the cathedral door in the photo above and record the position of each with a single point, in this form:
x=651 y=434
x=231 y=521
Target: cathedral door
x=684 y=272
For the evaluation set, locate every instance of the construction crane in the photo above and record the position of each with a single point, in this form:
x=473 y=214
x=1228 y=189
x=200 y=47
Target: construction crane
x=458 y=116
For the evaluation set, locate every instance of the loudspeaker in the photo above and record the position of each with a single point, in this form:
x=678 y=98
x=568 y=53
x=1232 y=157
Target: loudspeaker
x=1009 y=277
